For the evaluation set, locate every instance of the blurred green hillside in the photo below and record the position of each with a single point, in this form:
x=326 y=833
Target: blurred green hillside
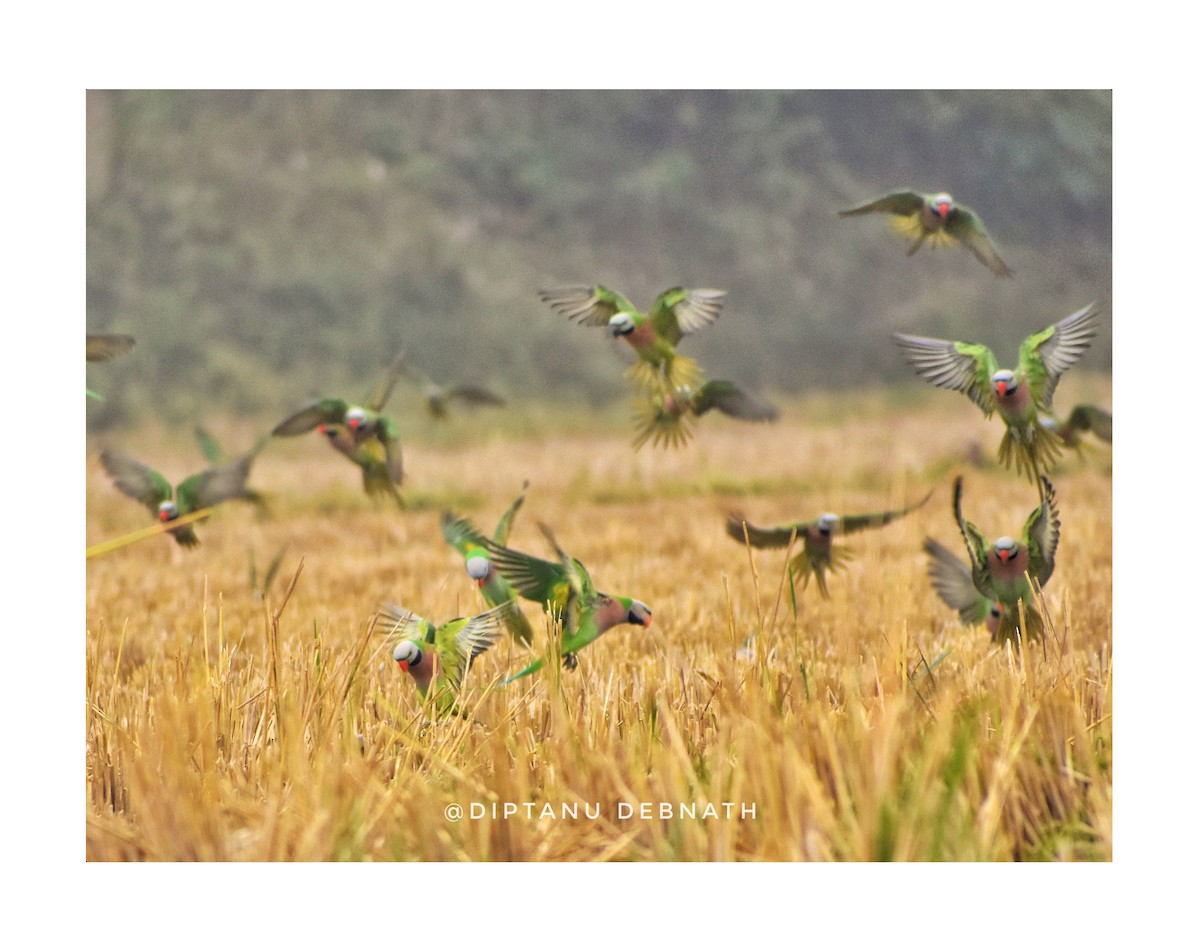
x=267 y=246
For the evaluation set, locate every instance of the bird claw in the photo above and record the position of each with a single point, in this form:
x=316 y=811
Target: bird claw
x=570 y=661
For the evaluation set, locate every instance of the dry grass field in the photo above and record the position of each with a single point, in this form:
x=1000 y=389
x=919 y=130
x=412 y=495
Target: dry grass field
x=224 y=725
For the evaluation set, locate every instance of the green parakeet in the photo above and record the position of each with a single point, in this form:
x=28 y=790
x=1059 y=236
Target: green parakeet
x=938 y=218
x=565 y=589
x=438 y=396
x=1019 y=395
x=1082 y=419
x=665 y=417
x=205 y=489
x=471 y=545
x=952 y=580
x=677 y=312
x=437 y=657
x=814 y=539
x=1003 y=569
x=362 y=433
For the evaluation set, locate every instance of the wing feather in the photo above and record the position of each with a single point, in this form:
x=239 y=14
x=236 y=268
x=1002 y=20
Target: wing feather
x=949 y=364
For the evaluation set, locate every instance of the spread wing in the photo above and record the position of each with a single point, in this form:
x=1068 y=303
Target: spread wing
x=383 y=391
x=504 y=526
x=401 y=624
x=324 y=412
x=950 y=364
x=1046 y=355
x=967 y=227
x=135 y=479
x=952 y=580
x=533 y=578
x=678 y=312
x=900 y=202
x=1040 y=534
x=777 y=538
x=974 y=541
x=1091 y=418
x=215 y=485
x=461 y=534
x=590 y=306
x=855 y=523
x=733 y=401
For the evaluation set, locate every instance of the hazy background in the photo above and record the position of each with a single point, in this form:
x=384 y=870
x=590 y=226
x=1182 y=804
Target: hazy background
x=267 y=246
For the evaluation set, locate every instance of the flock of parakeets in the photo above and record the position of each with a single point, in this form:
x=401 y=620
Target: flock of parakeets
x=997 y=586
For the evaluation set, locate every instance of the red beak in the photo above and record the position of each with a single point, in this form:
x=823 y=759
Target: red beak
x=403 y=665
x=1002 y=386
x=354 y=423
x=163 y=516
x=479 y=583
x=943 y=209
x=320 y=429
x=1003 y=555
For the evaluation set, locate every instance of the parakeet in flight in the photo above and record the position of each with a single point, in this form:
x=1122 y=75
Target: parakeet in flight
x=205 y=489
x=952 y=580
x=814 y=539
x=565 y=589
x=1083 y=418
x=437 y=657
x=1020 y=395
x=439 y=397
x=665 y=417
x=471 y=545
x=999 y=569
x=362 y=433
x=938 y=218
x=677 y=312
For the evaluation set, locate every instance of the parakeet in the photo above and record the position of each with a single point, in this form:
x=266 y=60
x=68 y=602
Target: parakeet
x=952 y=580
x=438 y=396
x=362 y=433
x=470 y=543
x=205 y=489
x=999 y=569
x=939 y=218
x=665 y=417
x=565 y=589
x=1019 y=395
x=677 y=312
x=814 y=539
x=422 y=646
x=1083 y=418
x=102 y=346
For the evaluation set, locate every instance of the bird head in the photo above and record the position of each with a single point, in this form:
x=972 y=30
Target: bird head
x=407 y=655
x=478 y=567
x=1004 y=382
x=1006 y=548
x=167 y=511
x=356 y=418
x=826 y=523
x=639 y=614
x=942 y=203
x=620 y=325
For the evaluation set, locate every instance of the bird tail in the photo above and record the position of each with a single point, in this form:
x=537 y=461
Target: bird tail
x=532 y=668
x=654 y=423
x=1033 y=449
x=1020 y=622
x=377 y=482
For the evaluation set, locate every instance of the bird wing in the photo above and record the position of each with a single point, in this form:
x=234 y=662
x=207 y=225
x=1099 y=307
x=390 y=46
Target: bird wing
x=580 y=591
x=678 y=312
x=1091 y=418
x=214 y=485
x=951 y=364
x=952 y=580
x=533 y=578
x=324 y=412
x=383 y=391
x=900 y=202
x=1040 y=534
x=460 y=533
x=778 y=538
x=135 y=479
x=967 y=227
x=590 y=306
x=401 y=624
x=208 y=445
x=474 y=395
x=388 y=434
x=462 y=639
x=733 y=401
x=102 y=346
x=504 y=526
x=974 y=541
x=1049 y=353
x=861 y=521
